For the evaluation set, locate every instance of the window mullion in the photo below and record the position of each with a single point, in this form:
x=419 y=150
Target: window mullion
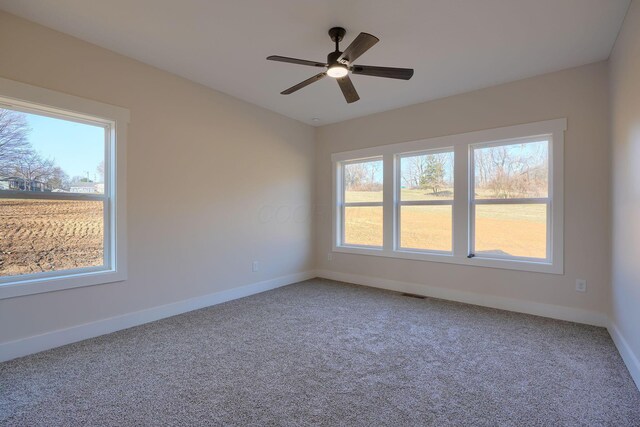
x=341 y=212
x=388 y=202
x=461 y=208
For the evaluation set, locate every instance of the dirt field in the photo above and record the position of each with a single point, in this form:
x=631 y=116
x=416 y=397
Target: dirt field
x=48 y=235
x=518 y=230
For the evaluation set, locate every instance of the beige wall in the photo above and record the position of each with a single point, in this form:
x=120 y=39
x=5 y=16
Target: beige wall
x=580 y=95
x=625 y=127
x=185 y=240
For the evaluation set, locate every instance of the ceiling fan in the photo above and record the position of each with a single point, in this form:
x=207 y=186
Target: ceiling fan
x=339 y=64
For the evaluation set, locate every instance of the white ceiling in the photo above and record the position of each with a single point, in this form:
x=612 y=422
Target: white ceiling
x=454 y=45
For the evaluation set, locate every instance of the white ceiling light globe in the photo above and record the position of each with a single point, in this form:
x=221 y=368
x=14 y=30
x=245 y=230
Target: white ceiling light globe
x=337 y=71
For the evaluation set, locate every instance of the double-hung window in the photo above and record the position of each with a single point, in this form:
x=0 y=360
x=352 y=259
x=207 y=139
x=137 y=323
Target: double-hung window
x=424 y=193
x=492 y=198
x=361 y=203
x=510 y=207
x=62 y=214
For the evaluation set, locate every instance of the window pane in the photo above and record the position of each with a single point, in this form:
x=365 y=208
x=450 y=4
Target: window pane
x=515 y=230
x=512 y=171
x=427 y=177
x=363 y=225
x=426 y=227
x=44 y=154
x=49 y=235
x=363 y=182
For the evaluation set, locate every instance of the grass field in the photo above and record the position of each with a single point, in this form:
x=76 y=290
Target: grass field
x=49 y=235
x=518 y=230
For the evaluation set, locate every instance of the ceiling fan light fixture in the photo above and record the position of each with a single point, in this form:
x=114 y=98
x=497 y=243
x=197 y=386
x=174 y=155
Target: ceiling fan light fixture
x=340 y=64
x=337 y=71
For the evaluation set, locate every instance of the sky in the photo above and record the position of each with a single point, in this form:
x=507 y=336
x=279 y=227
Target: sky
x=77 y=148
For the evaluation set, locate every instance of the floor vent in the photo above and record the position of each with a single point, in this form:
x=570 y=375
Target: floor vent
x=412 y=296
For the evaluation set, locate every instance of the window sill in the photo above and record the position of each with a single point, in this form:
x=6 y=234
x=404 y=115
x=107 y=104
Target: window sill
x=448 y=258
x=37 y=283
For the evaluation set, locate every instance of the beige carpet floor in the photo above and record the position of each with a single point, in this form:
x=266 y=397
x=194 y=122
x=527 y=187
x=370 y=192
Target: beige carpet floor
x=328 y=353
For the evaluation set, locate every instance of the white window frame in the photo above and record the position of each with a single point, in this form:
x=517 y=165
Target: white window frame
x=462 y=238
x=344 y=204
x=399 y=203
x=31 y=99
x=473 y=202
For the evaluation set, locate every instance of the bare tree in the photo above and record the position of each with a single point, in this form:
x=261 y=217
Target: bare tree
x=100 y=170
x=59 y=179
x=482 y=165
x=19 y=159
x=32 y=167
x=363 y=176
x=13 y=139
x=512 y=171
x=413 y=170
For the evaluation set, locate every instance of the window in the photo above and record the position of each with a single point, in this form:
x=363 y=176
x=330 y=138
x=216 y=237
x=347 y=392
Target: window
x=491 y=198
x=362 y=203
x=425 y=204
x=61 y=202
x=510 y=204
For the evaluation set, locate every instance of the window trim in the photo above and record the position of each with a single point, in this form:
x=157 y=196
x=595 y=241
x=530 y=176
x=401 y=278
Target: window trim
x=32 y=99
x=461 y=144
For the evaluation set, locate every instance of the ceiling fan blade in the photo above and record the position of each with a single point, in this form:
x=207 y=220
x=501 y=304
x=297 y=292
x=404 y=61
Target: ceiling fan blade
x=360 y=45
x=296 y=61
x=389 y=72
x=348 y=90
x=303 y=84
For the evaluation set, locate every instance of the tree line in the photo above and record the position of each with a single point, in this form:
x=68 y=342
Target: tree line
x=365 y=176
x=512 y=171
x=505 y=171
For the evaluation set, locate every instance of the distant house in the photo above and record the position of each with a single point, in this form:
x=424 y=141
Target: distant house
x=87 y=187
x=20 y=184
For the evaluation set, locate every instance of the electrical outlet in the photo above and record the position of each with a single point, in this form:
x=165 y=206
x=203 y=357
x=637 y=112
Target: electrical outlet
x=329 y=256
x=581 y=285
x=255 y=266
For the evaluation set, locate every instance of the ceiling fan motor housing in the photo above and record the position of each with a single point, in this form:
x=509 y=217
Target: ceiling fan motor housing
x=332 y=59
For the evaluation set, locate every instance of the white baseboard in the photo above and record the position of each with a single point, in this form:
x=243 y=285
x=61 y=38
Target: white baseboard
x=509 y=304
x=629 y=358
x=34 y=344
